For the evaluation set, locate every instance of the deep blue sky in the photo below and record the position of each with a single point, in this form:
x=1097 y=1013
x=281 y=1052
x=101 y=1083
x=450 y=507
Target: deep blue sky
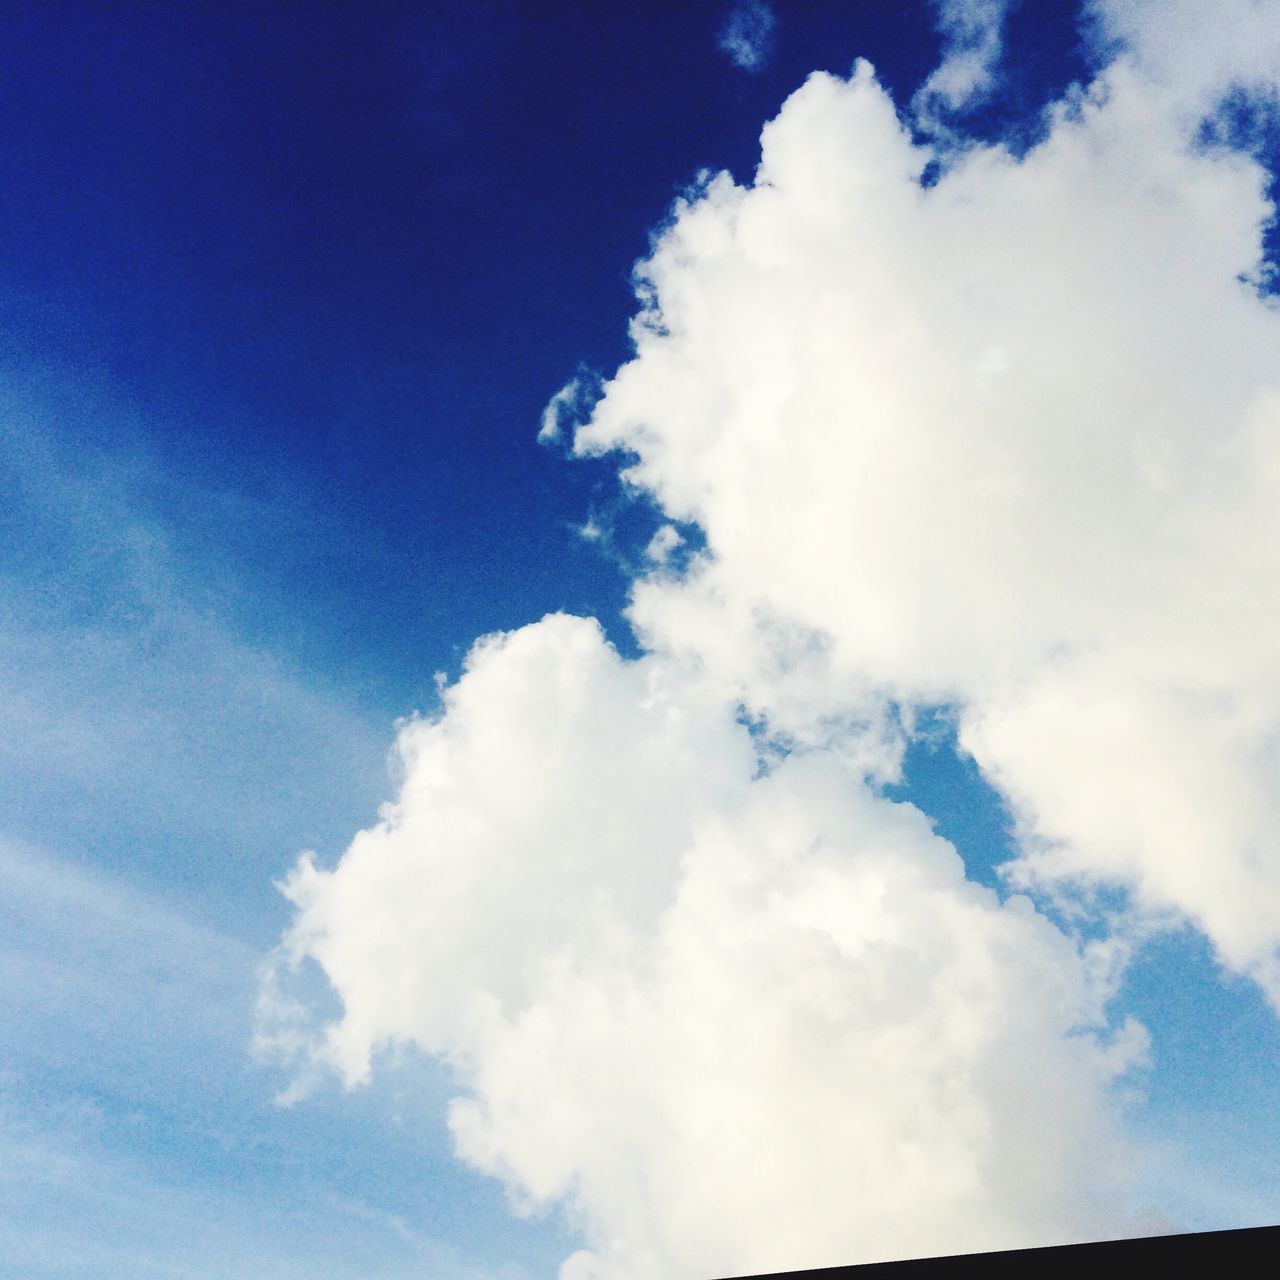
x=336 y=259
x=300 y=280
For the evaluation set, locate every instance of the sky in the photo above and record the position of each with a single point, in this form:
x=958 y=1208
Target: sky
x=635 y=640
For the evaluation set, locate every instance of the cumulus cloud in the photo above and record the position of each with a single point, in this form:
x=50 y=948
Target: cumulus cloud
x=747 y=35
x=1008 y=443
x=649 y=962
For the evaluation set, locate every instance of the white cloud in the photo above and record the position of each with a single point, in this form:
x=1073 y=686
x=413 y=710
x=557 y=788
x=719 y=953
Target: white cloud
x=648 y=965
x=972 y=42
x=1192 y=50
x=747 y=35
x=562 y=405
x=1009 y=443
x=663 y=543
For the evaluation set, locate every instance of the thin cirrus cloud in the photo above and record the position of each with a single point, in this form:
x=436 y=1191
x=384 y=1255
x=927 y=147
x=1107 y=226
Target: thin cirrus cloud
x=1005 y=443
x=132 y=697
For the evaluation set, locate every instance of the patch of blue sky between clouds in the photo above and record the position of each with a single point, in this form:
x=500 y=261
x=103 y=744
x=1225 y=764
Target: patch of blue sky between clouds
x=1205 y=1113
x=748 y=34
x=1202 y=1116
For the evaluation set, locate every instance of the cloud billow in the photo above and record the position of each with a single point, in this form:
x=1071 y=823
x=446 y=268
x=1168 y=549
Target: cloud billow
x=647 y=964
x=1009 y=442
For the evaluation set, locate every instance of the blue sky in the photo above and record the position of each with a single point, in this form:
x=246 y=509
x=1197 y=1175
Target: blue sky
x=284 y=296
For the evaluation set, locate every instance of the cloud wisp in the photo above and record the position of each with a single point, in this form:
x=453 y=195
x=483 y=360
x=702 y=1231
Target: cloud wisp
x=1008 y=442
x=747 y=35
x=972 y=35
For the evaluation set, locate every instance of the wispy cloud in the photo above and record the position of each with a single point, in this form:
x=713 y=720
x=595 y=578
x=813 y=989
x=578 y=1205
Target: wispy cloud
x=972 y=35
x=747 y=34
x=74 y=1207
x=136 y=702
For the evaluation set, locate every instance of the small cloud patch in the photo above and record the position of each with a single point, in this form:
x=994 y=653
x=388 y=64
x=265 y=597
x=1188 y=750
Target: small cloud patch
x=747 y=35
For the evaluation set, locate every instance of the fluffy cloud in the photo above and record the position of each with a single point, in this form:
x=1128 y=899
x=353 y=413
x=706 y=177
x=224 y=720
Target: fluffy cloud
x=1192 y=50
x=1009 y=443
x=731 y=1019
